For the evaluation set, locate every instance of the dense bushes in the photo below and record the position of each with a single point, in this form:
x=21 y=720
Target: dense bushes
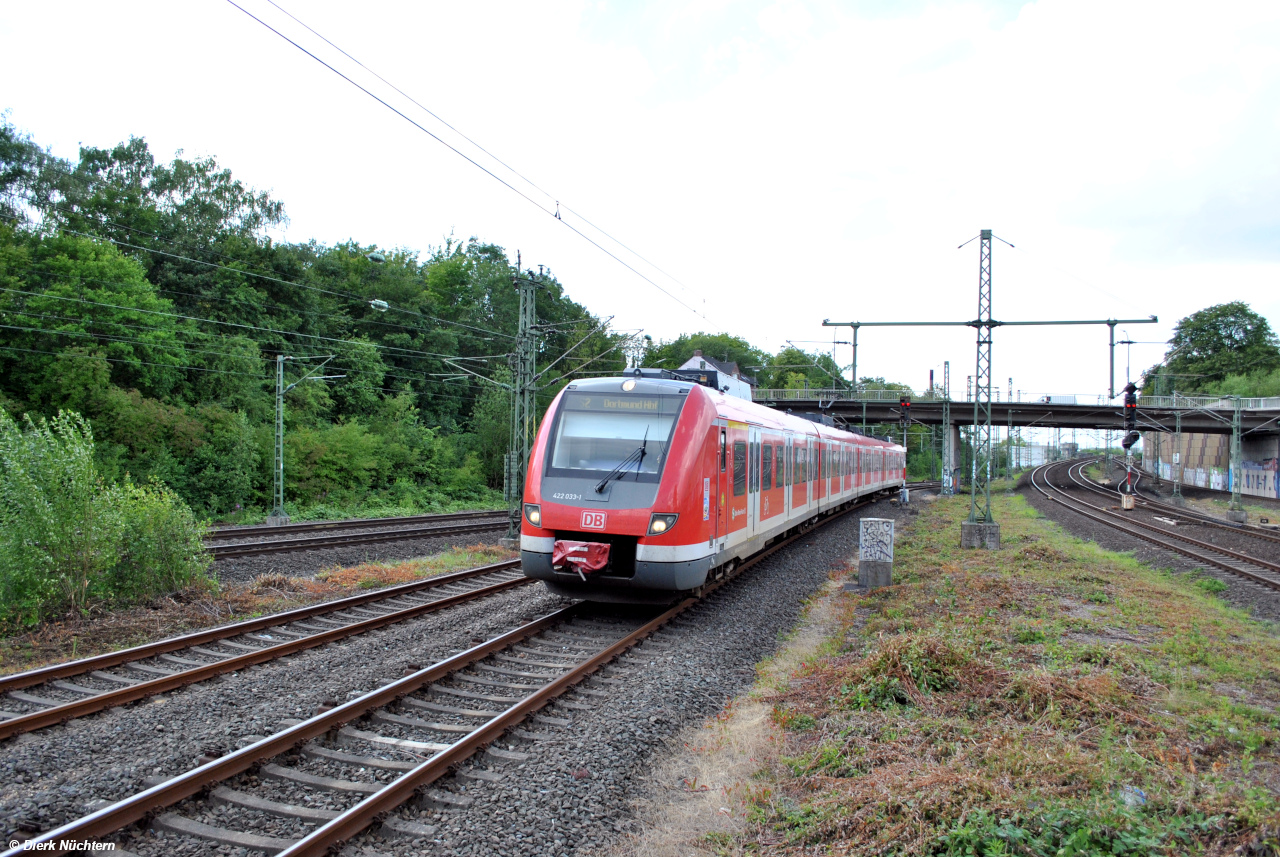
x=68 y=538
x=150 y=299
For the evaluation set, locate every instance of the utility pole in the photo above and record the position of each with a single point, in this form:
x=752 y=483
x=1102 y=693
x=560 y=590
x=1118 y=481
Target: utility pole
x=948 y=448
x=523 y=402
x=278 y=515
x=1008 y=448
x=1176 y=471
x=1236 y=512
x=277 y=506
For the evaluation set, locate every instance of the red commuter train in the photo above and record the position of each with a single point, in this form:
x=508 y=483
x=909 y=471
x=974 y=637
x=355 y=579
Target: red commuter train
x=642 y=487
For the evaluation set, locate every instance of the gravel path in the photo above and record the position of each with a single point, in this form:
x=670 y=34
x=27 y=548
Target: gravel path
x=570 y=793
x=307 y=563
x=1260 y=601
x=50 y=777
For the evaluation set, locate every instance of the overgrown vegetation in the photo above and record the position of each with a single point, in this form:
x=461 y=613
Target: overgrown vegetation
x=69 y=539
x=1047 y=699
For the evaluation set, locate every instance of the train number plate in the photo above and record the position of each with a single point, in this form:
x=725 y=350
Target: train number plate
x=593 y=520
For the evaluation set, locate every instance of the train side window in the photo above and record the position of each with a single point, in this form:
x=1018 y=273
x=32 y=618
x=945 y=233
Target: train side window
x=780 y=461
x=723 y=453
x=739 y=468
x=766 y=467
x=753 y=469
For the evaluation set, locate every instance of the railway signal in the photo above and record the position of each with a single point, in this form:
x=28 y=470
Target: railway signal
x=1130 y=438
x=904 y=403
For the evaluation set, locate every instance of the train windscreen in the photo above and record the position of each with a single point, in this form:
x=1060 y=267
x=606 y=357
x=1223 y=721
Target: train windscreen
x=595 y=432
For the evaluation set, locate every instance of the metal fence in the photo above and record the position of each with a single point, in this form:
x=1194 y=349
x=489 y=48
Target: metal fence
x=778 y=394
x=1224 y=403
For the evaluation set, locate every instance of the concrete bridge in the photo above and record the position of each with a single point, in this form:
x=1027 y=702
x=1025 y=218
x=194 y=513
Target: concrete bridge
x=1201 y=415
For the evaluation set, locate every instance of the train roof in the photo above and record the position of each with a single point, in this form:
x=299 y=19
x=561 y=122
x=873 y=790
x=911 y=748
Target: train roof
x=729 y=407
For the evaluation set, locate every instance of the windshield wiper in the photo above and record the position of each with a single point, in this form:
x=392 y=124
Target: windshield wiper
x=622 y=465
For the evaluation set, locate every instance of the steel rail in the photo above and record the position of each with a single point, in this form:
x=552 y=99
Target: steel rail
x=1194 y=517
x=1203 y=517
x=112 y=818
x=1073 y=475
x=323 y=839
x=1081 y=508
x=337 y=540
x=141 y=690
x=349 y=524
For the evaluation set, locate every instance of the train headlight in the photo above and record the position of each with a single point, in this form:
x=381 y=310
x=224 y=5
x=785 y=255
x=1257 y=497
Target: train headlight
x=659 y=524
x=533 y=514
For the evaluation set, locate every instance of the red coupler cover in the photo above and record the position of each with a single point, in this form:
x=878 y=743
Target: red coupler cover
x=584 y=556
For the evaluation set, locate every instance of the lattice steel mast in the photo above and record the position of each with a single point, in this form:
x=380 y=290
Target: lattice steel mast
x=523 y=404
x=980 y=475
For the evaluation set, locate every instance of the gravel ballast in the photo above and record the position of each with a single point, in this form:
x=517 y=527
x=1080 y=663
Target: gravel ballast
x=1259 y=600
x=50 y=777
x=570 y=795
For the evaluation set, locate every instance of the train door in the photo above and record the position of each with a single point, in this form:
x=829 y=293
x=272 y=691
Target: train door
x=787 y=463
x=753 y=480
x=811 y=471
x=719 y=481
x=735 y=481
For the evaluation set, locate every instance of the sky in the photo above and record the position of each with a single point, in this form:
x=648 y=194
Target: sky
x=767 y=165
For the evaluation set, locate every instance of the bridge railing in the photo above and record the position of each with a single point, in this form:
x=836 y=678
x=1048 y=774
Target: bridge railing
x=1221 y=403
x=764 y=394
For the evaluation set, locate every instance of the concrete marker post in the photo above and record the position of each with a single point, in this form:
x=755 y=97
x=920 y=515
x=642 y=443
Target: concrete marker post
x=875 y=553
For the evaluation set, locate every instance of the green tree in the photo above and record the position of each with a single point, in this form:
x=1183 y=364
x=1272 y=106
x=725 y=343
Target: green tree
x=71 y=295
x=1226 y=339
x=491 y=428
x=670 y=354
x=793 y=368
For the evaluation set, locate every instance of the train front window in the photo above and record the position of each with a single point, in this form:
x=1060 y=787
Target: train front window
x=595 y=432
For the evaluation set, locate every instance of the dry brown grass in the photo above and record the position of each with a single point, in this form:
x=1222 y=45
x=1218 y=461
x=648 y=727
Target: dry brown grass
x=206 y=606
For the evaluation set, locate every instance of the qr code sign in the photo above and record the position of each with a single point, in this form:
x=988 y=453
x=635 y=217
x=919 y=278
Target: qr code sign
x=593 y=520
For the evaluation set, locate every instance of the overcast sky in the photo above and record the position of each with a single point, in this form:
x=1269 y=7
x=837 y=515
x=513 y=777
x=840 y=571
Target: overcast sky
x=785 y=162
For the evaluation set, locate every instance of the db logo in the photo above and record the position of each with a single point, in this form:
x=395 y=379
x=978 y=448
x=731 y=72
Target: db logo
x=593 y=520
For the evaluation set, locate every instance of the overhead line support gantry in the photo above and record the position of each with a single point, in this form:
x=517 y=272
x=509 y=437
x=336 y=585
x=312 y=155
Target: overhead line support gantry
x=981 y=529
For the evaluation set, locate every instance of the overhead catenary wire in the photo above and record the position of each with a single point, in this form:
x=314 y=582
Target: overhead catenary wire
x=455 y=130
x=471 y=160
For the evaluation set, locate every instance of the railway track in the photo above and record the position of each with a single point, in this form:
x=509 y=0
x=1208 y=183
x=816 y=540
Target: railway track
x=477 y=522
x=1201 y=517
x=350 y=524
x=354 y=763
x=1256 y=569
x=62 y=692
x=1152 y=505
